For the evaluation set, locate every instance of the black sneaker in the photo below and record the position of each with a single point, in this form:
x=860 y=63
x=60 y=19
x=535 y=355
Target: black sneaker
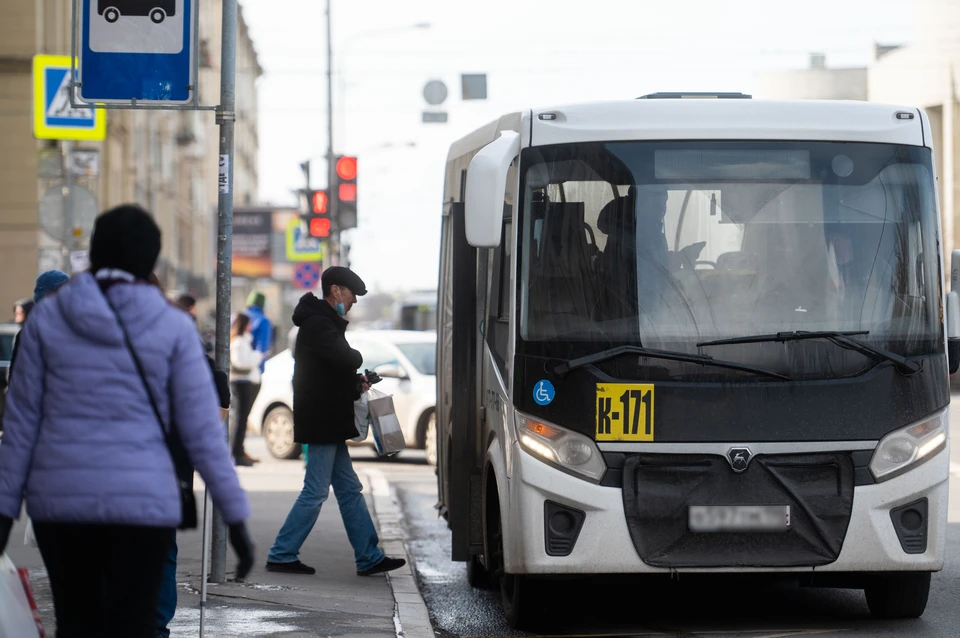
x=296 y=567
x=386 y=565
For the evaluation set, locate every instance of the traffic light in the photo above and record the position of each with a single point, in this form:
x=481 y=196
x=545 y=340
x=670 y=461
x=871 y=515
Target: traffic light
x=345 y=190
x=318 y=213
x=319 y=202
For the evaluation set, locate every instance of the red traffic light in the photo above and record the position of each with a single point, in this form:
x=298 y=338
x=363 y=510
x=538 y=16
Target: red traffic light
x=348 y=192
x=320 y=201
x=320 y=227
x=347 y=168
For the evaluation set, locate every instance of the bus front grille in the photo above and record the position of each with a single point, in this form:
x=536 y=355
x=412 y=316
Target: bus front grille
x=687 y=510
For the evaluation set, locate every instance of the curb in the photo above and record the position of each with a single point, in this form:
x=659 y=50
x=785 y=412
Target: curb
x=412 y=618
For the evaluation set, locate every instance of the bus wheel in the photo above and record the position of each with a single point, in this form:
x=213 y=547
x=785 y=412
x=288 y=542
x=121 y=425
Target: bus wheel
x=477 y=574
x=517 y=597
x=901 y=595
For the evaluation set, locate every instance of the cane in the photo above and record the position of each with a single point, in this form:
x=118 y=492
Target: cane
x=205 y=560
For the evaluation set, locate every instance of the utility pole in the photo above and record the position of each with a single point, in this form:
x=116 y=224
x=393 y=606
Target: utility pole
x=226 y=117
x=333 y=244
x=69 y=223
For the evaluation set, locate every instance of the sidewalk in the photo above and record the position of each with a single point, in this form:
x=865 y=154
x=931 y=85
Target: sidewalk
x=333 y=602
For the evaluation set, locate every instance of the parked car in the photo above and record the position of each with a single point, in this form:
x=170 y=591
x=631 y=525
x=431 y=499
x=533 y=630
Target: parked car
x=7 y=333
x=405 y=359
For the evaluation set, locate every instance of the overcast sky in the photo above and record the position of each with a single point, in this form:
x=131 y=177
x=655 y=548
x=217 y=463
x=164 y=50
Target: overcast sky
x=535 y=52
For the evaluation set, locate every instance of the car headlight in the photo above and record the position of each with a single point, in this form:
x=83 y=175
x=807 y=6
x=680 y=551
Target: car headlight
x=907 y=447
x=569 y=451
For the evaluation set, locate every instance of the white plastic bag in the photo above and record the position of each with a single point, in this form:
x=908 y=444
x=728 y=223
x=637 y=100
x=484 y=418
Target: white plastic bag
x=16 y=615
x=387 y=435
x=29 y=539
x=361 y=414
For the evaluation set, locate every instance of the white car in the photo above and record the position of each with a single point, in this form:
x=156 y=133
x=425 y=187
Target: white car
x=405 y=359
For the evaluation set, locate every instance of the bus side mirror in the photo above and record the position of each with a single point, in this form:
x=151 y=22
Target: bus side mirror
x=953 y=330
x=486 y=188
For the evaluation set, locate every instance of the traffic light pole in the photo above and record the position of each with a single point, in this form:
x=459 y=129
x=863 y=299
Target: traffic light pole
x=226 y=117
x=333 y=243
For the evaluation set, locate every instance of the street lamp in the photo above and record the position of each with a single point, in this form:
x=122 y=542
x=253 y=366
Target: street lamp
x=345 y=47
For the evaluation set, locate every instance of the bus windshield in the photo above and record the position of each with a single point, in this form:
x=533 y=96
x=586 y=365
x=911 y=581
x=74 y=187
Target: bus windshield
x=667 y=244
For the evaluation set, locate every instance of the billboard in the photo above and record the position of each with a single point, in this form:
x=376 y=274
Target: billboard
x=251 y=243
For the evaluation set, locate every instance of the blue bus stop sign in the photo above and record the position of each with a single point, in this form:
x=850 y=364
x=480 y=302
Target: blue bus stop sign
x=137 y=50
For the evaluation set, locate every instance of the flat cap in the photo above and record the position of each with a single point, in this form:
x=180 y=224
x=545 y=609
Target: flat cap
x=340 y=276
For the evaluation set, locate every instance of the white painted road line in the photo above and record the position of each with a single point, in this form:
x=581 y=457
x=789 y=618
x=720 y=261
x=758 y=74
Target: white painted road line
x=955 y=468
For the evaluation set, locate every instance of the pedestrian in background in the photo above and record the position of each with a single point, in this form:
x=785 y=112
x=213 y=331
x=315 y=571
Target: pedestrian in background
x=325 y=385
x=260 y=327
x=46 y=284
x=261 y=331
x=106 y=366
x=245 y=363
x=21 y=309
x=188 y=303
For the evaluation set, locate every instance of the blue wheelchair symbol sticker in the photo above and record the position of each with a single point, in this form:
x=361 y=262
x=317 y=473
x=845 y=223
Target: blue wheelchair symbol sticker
x=543 y=392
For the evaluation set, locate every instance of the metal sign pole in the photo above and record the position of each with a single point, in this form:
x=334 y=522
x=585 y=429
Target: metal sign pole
x=69 y=223
x=226 y=117
x=334 y=202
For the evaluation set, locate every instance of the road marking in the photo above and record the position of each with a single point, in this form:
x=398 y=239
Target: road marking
x=955 y=468
x=760 y=633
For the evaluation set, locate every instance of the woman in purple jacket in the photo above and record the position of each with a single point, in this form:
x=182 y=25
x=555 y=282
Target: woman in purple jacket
x=85 y=449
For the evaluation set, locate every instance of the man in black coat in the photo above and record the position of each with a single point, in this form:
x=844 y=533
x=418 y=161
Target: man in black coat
x=325 y=386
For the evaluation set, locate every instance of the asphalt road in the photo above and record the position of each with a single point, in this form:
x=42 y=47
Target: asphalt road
x=717 y=606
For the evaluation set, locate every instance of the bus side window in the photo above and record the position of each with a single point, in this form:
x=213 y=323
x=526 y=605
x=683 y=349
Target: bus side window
x=498 y=307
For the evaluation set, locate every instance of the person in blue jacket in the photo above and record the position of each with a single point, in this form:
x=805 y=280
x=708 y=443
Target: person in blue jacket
x=85 y=446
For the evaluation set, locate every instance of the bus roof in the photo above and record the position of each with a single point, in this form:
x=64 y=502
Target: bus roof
x=681 y=119
x=716 y=119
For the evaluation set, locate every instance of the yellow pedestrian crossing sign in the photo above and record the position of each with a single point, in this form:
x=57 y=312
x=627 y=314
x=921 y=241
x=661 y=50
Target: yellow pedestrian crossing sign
x=300 y=245
x=53 y=117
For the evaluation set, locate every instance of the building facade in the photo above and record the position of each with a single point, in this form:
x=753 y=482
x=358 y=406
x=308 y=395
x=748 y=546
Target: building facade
x=923 y=74
x=814 y=83
x=167 y=161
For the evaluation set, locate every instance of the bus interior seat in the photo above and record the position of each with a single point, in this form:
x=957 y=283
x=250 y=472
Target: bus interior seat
x=562 y=293
x=616 y=265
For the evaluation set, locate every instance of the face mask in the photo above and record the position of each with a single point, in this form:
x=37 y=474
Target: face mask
x=341 y=309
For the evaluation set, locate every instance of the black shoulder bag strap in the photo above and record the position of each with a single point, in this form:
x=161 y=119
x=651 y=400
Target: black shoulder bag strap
x=184 y=473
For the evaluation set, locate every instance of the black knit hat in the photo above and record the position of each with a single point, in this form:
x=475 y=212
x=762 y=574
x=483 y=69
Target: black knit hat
x=125 y=238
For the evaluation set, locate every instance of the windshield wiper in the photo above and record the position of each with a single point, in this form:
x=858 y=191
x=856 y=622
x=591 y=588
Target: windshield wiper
x=700 y=359
x=842 y=339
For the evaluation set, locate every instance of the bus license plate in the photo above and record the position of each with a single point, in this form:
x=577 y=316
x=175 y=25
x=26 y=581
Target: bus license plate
x=739 y=518
x=624 y=412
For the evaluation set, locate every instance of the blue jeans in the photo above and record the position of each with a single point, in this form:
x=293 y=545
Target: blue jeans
x=167 y=602
x=329 y=465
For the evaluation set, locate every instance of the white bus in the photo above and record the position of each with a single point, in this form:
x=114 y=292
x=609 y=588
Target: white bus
x=696 y=335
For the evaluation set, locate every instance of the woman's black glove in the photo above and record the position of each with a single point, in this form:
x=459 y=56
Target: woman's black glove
x=6 y=524
x=243 y=546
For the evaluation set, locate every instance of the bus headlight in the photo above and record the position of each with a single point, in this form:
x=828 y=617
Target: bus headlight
x=907 y=447
x=569 y=451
